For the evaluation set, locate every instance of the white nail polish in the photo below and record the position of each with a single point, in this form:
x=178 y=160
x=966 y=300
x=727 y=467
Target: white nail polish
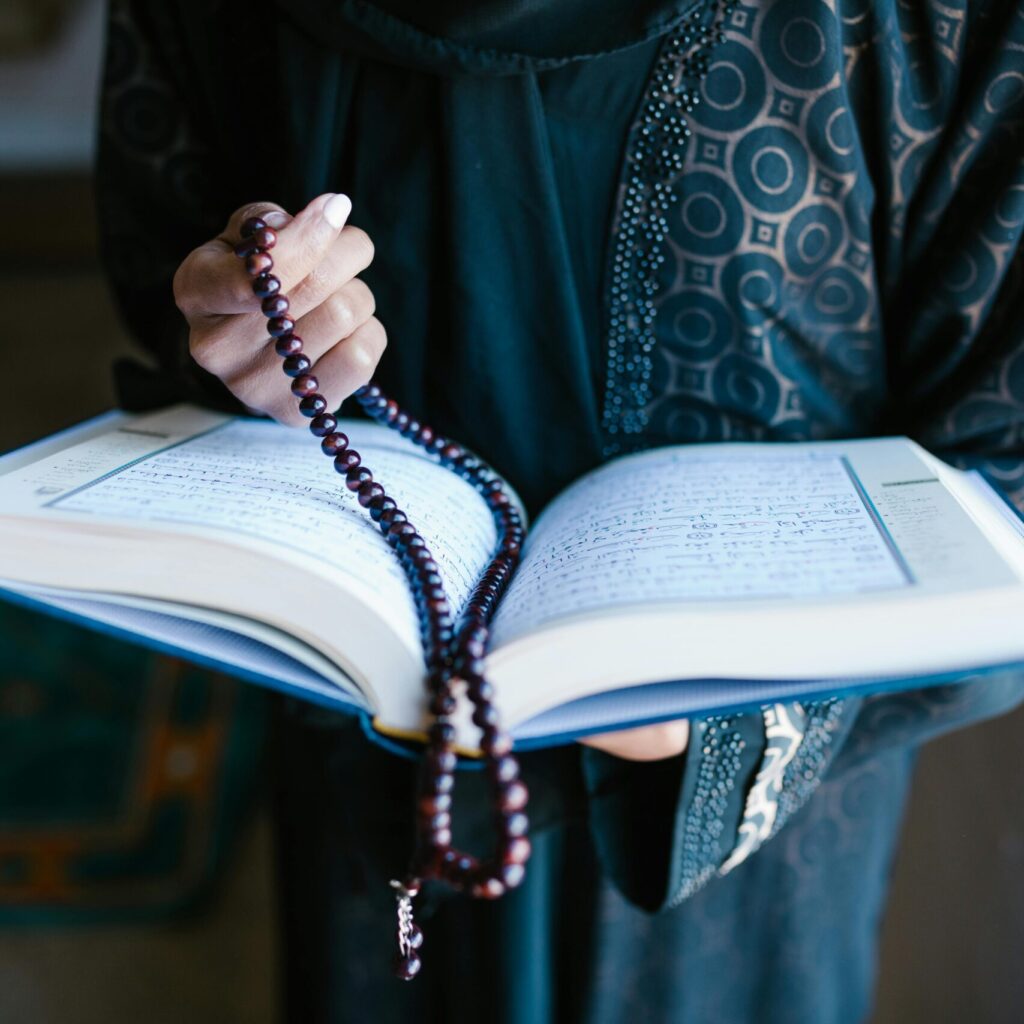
x=337 y=209
x=276 y=218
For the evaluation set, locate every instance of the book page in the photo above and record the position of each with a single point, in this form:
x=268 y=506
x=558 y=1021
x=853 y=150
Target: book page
x=745 y=523
x=259 y=484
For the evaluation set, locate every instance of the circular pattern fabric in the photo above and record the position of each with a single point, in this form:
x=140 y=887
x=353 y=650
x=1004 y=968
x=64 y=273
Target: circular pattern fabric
x=801 y=272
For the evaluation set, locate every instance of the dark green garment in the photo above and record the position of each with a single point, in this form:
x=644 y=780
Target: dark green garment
x=841 y=257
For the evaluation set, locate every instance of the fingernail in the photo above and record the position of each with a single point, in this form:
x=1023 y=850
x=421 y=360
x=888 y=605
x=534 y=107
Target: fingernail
x=337 y=209
x=276 y=218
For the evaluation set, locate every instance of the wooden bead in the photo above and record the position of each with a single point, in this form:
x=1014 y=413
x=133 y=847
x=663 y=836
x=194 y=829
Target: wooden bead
x=441 y=761
x=441 y=734
x=517 y=850
x=435 y=803
x=265 y=237
x=346 y=460
x=368 y=492
x=401 y=528
x=275 y=305
x=322 y=425
x=441 y=782
x=258 y=263
x=246 y=247
x=265 y=285
x=486 y=714
x=439 y=823
x=488 y=889
x=288 y=345
x=313 y=405
x=480 y=689
x=378 y=508
x=442 y=704
x=408 y=966
x=356 y=477
x=440 y=839
x=250 y=225
x=504 y=769
x=389 y=516
x=512 y=875
x=279 y=325
x=306 y=384
x=296 y=366
x=516 y=824
x=459 y=868
x=495 y=743
x=513 y=797
x=333 y=443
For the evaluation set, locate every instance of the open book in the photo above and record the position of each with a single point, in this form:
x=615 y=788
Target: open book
x=673 y=582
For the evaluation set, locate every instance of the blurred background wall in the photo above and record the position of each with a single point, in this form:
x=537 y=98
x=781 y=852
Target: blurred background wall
x=954 y=932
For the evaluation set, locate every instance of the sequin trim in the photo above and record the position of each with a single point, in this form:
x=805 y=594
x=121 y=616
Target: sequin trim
x=654 y=161
x=702 y=848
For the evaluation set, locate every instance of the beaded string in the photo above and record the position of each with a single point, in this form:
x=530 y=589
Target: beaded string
x=453 y=650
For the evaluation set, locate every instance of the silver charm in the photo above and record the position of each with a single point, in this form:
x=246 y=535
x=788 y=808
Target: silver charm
x=410 y=937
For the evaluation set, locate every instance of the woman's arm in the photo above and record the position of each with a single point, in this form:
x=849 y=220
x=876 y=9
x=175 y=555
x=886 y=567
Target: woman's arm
x=166 y=172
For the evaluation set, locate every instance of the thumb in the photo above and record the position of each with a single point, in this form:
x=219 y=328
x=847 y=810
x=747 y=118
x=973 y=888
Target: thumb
x=303 y=240
x=274 y=215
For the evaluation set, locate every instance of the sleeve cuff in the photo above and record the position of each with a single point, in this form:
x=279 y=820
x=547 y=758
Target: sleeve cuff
x=664 y=829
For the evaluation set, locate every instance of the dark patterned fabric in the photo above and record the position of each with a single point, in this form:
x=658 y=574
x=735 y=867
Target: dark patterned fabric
x=848 y=246
x=843 y=259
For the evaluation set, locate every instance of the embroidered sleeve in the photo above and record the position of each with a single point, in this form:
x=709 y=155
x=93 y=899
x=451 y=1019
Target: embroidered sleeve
x=665 y=830
x=798 y=746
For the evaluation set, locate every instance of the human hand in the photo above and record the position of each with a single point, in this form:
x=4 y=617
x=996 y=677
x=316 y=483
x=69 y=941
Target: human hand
x=647 y=743
x=316 y=259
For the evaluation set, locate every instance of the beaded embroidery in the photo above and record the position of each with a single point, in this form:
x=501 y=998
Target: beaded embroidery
x=784 y=729
x=721 y=746
x=653 y=163
x=703 y=854
x=804 y=774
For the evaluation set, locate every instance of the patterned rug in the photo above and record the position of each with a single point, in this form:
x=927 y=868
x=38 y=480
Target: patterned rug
x=124 y=774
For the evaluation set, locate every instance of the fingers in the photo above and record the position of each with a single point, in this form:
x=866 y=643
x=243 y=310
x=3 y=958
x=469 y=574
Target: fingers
x=648 y=743
x=212 y=281
x=350 y=254
x=274 y=215
x=316 y=258
x=340 y=366
x=303 y=243
x=228 y=345
x=335 y=317
x=350 y=363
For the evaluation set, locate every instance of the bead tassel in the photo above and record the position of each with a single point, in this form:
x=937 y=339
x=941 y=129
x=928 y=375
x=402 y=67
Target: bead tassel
x=453 y=650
